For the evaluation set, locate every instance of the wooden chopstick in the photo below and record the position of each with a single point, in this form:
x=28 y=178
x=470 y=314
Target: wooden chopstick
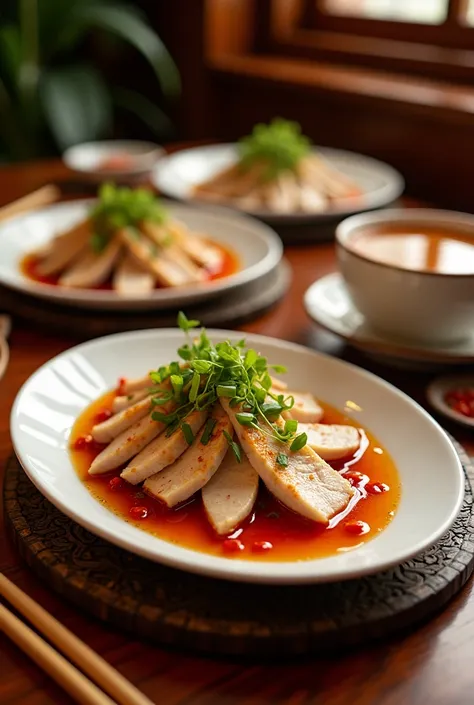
x=42 y=197
x=72 y=680
x=79 y=653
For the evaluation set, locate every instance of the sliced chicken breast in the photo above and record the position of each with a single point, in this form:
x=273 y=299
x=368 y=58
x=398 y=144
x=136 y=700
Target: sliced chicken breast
x=278 y=385
x=171 y=251
x=92 y=269
x=201 y=251
x=163 y=451
x=229 y=496
x=131 y=278
x=130 y=386
x=331 y=441
x=106 y=431
x=306 y=409
x=126 y=445
x=307 y=485
x=123 y=401
x=166 y=273
x=64 y=249
x=194 y=469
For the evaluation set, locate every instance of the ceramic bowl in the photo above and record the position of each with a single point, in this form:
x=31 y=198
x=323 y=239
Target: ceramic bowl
x=425 y=307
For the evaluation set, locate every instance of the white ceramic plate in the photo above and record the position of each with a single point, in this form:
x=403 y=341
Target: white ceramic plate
x=258 y=247
x=177 y=174
x=431 y=474
x=438 y=389
x=329 y=304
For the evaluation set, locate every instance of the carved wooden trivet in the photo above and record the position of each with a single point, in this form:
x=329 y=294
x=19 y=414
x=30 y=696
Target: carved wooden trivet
x=173 y=607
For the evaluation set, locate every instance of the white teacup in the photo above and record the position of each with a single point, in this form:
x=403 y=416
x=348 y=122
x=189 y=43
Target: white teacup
x=423 y=306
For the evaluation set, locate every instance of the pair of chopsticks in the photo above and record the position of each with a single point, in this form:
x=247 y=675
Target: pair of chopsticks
x=70 y=678
x=44 y=196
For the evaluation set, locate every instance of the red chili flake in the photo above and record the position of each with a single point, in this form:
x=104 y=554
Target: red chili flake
x=103 y=415
x=261 y=546
x=232 y=545
x=463 y=407
x=461 y=400
x=83 y=442
x=376 y=487
x=120 y=385
x=354 y=476
x=116 y=483
x=357 y=528
x=139 y=512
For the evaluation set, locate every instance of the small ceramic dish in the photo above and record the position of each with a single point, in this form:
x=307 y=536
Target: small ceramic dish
x=115 y=160
x=441 y=388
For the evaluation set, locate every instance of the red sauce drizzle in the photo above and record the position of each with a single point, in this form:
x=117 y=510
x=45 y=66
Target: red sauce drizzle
x=230 y=265
x=272 y=532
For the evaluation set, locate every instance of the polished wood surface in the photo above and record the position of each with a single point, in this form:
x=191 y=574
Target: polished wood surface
x=431 y=665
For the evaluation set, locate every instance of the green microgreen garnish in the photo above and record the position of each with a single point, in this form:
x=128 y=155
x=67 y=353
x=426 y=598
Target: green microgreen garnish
x=299 y=442
x=227 y=371
x=234 y=447
x=282 y=459
x=122 y=207
x=280 y=145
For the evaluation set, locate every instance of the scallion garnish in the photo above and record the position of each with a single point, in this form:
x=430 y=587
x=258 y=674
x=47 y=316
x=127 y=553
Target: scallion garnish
x=234 y=446
x=188 y=433
x=207 y=433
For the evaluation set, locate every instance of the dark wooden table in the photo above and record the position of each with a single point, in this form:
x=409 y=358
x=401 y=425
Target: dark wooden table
x=431 y=665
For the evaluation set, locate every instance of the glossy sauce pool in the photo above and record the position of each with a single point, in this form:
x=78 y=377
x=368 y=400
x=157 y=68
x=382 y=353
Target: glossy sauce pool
x=291 y=537
x=230 y=265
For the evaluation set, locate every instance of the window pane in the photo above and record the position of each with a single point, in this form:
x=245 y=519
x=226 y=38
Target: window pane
x=470 y=12
x=426 y=11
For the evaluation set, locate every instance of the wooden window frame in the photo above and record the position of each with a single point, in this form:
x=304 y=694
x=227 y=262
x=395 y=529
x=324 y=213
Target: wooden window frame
x=301 y=28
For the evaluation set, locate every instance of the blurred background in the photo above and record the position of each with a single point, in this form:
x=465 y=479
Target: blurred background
x=389 y=78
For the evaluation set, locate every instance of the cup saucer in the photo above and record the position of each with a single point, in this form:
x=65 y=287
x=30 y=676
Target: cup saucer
x=328 y=303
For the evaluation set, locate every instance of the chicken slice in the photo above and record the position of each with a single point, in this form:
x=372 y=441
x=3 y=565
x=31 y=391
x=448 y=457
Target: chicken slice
x=229 y=496
x=331 y=441
x=64 y=249
x=131 y=278
x=166 y=272
x=197 y=247
x=278 y=385
x=106 y=431
x=127 y=444
x=307 y=484
x=123 y=401
x=130 y=386
x=171 y=251
x=195 y=468
x=92 y=269
x=306 y=409
x=163 y=451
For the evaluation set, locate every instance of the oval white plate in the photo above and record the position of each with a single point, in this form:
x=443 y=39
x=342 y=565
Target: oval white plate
x=177 y=174
x=438 y=389
x=258 y=247
x=432 y=477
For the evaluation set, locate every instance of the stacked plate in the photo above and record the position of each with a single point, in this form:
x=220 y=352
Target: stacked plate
x=260 y=281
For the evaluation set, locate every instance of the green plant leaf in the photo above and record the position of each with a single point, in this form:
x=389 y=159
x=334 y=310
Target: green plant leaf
x=10 y=52
x=76 y=104
x=144 y=109
x=123 y=21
